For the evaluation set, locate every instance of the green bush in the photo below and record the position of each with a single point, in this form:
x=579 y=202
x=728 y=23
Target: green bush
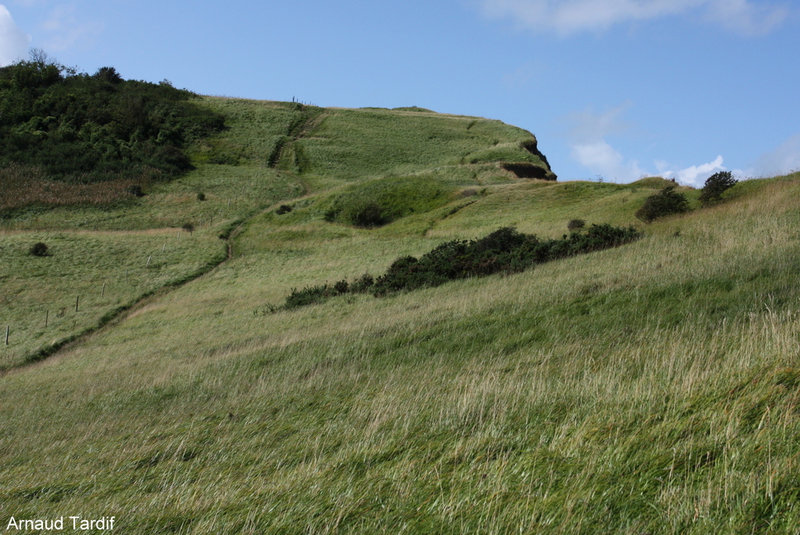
x=715 y=185
x=666 y=202
x=39 y=249
x=575 y=224
x=504 y=250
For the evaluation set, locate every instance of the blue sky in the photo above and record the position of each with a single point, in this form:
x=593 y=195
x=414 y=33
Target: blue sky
x=613 y=89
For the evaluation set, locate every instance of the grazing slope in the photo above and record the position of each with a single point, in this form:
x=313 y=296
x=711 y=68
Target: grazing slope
x=650 y=388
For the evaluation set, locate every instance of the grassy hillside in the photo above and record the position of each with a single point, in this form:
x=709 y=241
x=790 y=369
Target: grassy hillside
x=651 y=388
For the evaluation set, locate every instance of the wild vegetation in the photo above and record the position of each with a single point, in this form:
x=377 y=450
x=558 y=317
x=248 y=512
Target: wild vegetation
x=58 y=125
x=665 y=202
x=650 y=388
x=715 y=186
x=503 y=251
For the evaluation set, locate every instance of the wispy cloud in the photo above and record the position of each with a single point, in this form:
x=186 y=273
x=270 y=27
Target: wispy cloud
x=13 y=41
x=64 y=29
x=782 y=160
x=573 y=16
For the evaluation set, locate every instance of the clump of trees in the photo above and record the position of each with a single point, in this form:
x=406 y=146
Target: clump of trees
x=84 y=128
x=504 y=250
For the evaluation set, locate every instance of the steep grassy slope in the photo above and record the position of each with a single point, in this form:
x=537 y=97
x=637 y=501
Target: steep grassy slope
x=651 y=388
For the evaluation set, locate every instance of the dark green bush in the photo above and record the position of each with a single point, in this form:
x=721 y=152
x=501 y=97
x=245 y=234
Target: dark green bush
x=308 y=295
x=715 y=185
x=575 y=224
x=188 y=227
x=341 y=287
x=666 y=202
x=283 y=209
x=504 y=250
x=201 y=196
x=39 y=249
x=363 y=284
x=369 y=215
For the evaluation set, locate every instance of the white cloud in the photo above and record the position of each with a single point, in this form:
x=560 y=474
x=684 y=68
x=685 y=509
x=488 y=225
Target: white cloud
x=604 y=160
x=588 y=131
x=572 y=16
x=694 y=175
x=780 y=161
x=13 y=41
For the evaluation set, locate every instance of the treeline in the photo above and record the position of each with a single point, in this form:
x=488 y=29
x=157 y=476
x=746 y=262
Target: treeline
x=504 y=250
x=81 y=128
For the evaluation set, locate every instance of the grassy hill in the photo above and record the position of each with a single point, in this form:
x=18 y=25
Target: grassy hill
x=650 y=388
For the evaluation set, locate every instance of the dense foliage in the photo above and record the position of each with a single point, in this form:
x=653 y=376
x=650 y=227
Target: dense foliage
x=504 y=250
x=89 y=128
x=665 y=202
x=715 y=185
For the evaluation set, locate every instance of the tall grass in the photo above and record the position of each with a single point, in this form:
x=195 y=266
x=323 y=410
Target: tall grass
x=645 y=389
x=651 y=388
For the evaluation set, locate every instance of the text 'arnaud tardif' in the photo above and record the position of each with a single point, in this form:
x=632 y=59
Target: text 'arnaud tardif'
x=75 y=523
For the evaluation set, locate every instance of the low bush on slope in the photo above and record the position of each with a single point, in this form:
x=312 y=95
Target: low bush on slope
x=504 y=250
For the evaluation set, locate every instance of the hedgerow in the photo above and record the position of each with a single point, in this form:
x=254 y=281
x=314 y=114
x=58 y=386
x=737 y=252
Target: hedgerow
x=505 y=250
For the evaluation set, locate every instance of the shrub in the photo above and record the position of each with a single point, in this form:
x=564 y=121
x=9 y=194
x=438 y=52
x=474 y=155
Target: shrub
x=188 y=227
x=369 y=215
x=504 y=250
x=283 y=209
x=715 y=185
x=341 y=287
x=666 y=202
x=308 y=295
x=39 y=249
x=201 y=196
x=362 y=284
x=575 y=224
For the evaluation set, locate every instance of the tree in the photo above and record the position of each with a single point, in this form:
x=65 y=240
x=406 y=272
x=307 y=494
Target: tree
x=715 y=185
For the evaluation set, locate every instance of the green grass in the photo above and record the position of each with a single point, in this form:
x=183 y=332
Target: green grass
x=100 y=272
x=652 y=388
